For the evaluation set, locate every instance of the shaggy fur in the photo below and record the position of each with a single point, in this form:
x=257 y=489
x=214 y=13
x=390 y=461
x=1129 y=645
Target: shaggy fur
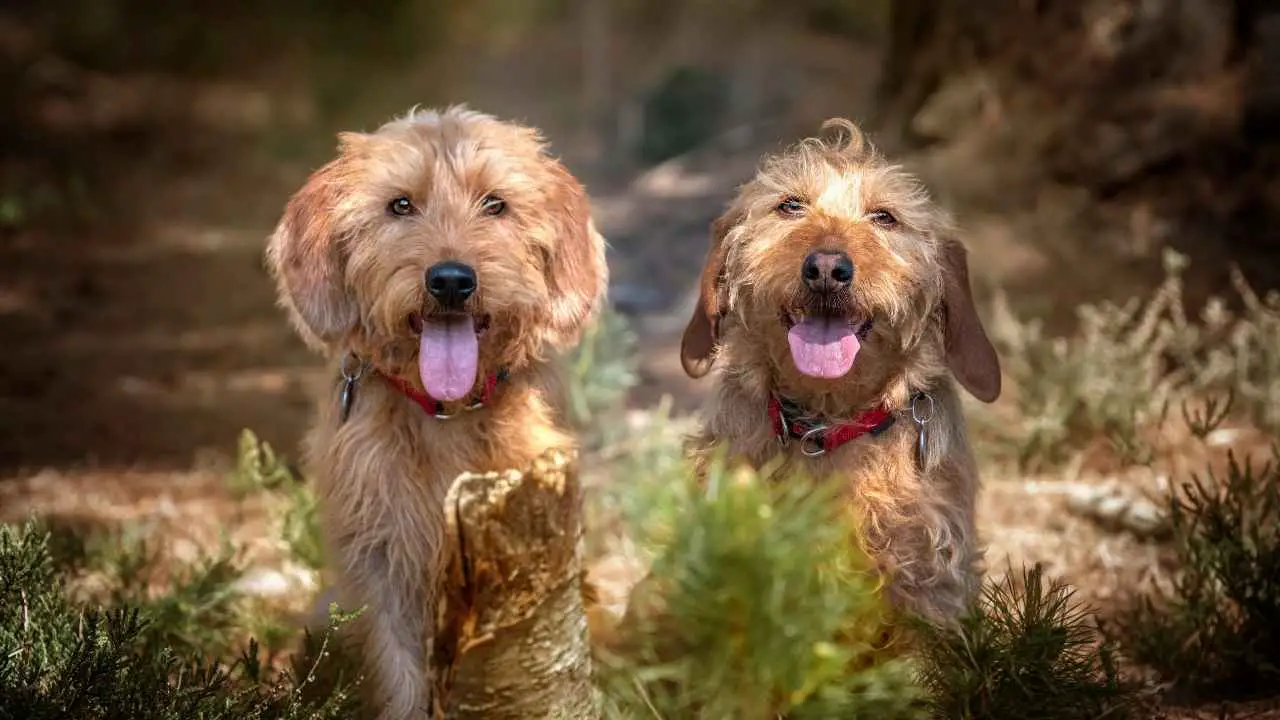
x=911 y=278
x=350 y=275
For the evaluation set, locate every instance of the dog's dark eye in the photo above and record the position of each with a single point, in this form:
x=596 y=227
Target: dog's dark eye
x=883 y=218
x=791 y=206
x=400 y=206
x=493 y=206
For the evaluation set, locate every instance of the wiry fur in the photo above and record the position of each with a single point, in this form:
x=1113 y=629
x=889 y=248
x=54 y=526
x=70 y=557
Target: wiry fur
x=913 y=279
x=349 y=273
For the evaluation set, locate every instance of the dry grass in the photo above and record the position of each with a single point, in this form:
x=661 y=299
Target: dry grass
x=1108 y=393
x=144 y=536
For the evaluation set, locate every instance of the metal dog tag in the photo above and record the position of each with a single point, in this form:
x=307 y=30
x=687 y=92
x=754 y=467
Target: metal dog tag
x=346 y=398
x=921 y=415
x=349 y=380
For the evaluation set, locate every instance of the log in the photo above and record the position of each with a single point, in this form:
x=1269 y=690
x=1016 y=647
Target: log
x=512 y=639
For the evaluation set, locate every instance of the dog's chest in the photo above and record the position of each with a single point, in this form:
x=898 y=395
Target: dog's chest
x=856 y=462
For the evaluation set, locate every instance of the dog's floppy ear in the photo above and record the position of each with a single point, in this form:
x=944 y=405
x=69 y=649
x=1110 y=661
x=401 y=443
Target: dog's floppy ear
x=577 y=274
x=970 y=354
x=306 y=260
x=702 y=335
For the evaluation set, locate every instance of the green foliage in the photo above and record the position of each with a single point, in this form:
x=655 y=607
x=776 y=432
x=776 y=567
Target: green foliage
x=763 y=607
x=199 y=609
x=258 y=469
x=1109 y=380
x=1028 y=653
x=191 y=608
x=601 y=370
x=1218 y=632
x=1240 y=352
x=774 y=608
x=59 y=659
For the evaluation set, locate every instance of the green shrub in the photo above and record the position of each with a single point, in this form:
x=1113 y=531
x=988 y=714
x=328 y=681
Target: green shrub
x=1029 y=653
x=60 y=659
x=260 y=470
x=765 y=608
x=199 y=610
x=601 y=370
x=775 y=610
x=1218 y=632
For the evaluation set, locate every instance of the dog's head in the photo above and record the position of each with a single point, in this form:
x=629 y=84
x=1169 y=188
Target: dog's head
x=834 y=266
x=439 y=246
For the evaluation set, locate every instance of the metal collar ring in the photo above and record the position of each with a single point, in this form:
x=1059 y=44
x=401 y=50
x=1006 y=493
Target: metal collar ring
x=807 y=441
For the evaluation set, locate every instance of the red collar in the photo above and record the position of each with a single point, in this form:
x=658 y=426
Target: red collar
x=818 y=437
x=436 y=408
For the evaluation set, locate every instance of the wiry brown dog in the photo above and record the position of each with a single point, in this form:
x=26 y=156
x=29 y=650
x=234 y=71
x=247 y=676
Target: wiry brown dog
x=437 y=262
x=837 y=302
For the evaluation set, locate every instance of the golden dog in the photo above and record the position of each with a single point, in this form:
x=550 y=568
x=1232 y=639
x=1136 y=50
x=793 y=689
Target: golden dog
x=837 y=303
x=437 y=262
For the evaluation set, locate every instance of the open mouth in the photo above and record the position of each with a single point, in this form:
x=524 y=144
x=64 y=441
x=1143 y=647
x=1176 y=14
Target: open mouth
x=824 y=344
x=448 y=352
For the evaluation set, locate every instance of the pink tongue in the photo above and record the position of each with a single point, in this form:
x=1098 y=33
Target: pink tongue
x=447 y=358
x=823 y=348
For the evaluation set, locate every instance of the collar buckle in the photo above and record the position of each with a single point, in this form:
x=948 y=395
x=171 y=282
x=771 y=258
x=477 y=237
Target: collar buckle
x=439 y=414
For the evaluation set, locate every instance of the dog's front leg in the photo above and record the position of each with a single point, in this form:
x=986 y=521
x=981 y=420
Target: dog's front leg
x=393 y=629
x=387 y=556
x=393 y=623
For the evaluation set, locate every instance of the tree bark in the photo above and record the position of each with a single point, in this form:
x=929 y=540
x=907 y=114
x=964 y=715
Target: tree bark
x=913 y=65
x=512 y=638
x=1102 y=131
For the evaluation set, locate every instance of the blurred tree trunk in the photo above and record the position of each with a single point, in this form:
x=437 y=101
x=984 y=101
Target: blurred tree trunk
x=512 y=637
x=913 y=63
x=1159 y=116
x=750 y=80
x=597 y=73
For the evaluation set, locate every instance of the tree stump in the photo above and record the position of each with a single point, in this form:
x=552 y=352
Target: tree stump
x=511 y=638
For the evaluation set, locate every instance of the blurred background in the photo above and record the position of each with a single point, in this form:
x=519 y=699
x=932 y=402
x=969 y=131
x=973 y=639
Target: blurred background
x=149 y=147
x=1114 y=166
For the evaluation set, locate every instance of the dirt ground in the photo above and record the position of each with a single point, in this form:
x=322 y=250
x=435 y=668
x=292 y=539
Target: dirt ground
x=148 y=348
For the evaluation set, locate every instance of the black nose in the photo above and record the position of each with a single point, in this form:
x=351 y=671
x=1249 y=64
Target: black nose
x=451 y=283
x=827 y=272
